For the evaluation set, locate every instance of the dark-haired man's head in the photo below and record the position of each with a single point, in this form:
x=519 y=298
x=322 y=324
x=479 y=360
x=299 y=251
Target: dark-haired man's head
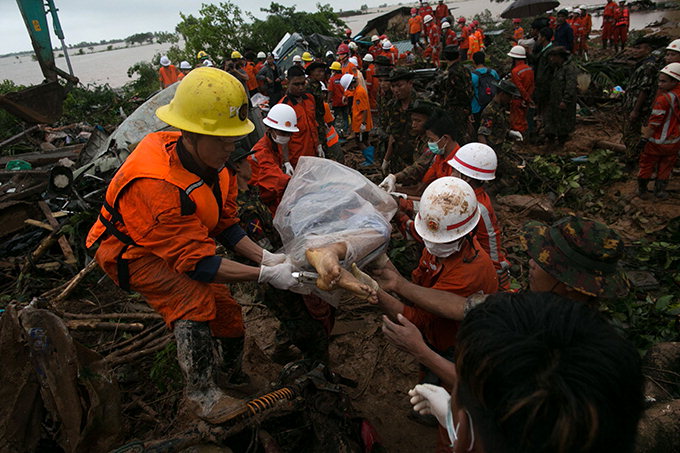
x=545 y=35
x=479 y=58
x=296 y=81
x=441 y=129
x=540 y=373
x=451 y=53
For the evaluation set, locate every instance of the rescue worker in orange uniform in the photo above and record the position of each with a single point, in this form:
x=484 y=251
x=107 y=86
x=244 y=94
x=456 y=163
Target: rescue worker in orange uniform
x=442 y=143
x=434 y=36
x=585 y=27
x=609 y=15
x=475 y=163
x=362 y=121
x=261 y=57
x=441 y=11
x=452 y=261
x=449 y=38
x=387 y=51
x=338 y=101
x=473 y=43
x=376 y=46
x=480 y=35
x=167 y=73
x=371 y=82
x=250 y=69
x=184 y=69
x=522 y=75
x=661 y=136
x=306 y=142
x=164 y=210
x=425 y=10
x=464 y=45
x=415 y=28
x=270 y=164
x=518 y=32
x=622 y=26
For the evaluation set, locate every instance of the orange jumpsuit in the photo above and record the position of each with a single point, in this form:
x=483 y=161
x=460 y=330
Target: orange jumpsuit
x=157 y=225
x=662 y=148
x=266 y=164
x=258 y=66
x=252 y=76
x=586 y=25
x=372 y=86
x=361 y=104
x=523 y=77
x=450 y=37
x=465 y=42
x=473 y=46
x=168 y=75
x=433 y=40
x=440 y=167
x=415 y=24
x=622 y=25
x=609 y=15
x=441 y=12
x=489 y=236
x=375 y=50
x=305 y=142
x=517 y=34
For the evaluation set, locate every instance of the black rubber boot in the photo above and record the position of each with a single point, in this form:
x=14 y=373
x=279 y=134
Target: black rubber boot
x=230 y=359
x=642 y=188
x=660 y=189
x=196 y=358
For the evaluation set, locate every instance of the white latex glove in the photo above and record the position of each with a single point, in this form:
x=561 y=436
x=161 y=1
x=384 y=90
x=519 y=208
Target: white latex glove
x=384 y=166
x=272 y=259
x=362 y=128
x=431 y=399
x=389 y=183
x=319 y=151
x=279 y=276
x=288 y=168
x=517 y=135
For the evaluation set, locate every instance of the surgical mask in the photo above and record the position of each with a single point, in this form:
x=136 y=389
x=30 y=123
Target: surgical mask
x=453 y=430
x=434 y=147
x=281 y=139
x=443 y=250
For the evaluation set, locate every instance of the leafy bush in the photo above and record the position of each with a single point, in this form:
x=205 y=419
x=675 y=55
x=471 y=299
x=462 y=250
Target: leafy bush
x=9 y=124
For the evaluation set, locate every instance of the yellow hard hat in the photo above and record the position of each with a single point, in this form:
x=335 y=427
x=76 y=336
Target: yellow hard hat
x=335 y=66
x=236 y=55
x=202 y=54
x=209 y=101
x=306 y=56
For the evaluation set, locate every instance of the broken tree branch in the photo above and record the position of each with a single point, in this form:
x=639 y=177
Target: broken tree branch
x=152 y=348
x=87 y=324
x=16 y=137
x=63 y=242
x=63 y=291
x=112 y=315
x=135 y=342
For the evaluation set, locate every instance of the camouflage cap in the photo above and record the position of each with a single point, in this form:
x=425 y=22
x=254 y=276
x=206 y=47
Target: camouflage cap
x=507 y=86
x=239 y=154
x=583 y=254
x=424 y=107
x=400 y=74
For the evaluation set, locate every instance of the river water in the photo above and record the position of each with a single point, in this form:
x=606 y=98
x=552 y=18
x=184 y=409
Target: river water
x=101 y=66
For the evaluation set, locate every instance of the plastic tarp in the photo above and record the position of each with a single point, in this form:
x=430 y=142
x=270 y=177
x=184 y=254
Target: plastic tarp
x=325 y=203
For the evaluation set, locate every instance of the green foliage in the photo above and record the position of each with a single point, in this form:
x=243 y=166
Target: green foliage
x=146 y=84
x=96 y=104
x=165 y=373
x=139 y=38
x=9 y=124
x=163 y=37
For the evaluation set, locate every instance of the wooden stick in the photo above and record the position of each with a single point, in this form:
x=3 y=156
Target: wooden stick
x=63 y=242
x=137 y=341
x=16 y=137
x=140 y=338
x=135 y=355
x=69 y=286
x=84 y=324
x=100 y=316
x=39 y=224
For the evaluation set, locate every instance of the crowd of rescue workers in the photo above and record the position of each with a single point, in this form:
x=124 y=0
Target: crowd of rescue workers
x=539 y=370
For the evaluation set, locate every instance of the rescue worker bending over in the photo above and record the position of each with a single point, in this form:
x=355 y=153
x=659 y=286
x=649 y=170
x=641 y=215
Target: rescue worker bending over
x=165 y=209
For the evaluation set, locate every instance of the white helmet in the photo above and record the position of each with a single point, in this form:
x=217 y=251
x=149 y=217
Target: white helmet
x=165 y=61
x=445 y=25
x=329 y=53
x=517 y=52
x=353 y=60
x=476 y=160
x=448 y=210
x=297 y=58
x=427 y=18
x=375 y=38
x=261 y=54
x=368 y=57
x=582 y=7
x=207 y=63
x=346 y=80
x=672 y=70
x=282 y=117
x=386 y=45
x=674 y=45
x=353 y=45
x=185 y=65
x=323 y=86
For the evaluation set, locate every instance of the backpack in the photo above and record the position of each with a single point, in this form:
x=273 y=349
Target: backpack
x=485 y=88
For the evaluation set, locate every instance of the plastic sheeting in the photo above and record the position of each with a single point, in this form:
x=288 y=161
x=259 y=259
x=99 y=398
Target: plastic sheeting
x=326 y=202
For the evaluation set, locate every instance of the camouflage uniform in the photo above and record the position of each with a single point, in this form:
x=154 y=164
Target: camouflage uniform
x=560 y=123
x=422 y=160
x=289 y=308
x=456 y=85
x=643 y=80
x=582 y=254
x=494 y=124
x=543 y=75
x=399 y=126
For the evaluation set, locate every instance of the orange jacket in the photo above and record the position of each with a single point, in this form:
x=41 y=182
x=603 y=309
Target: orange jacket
x=464 y=37
x=523 y=77
x=518 y=34
x=611 y=11
x=586 y=25
x=168 y=75
x=252 y=76
x=665 y=122
x=474 y=45
x=441 y=12
x=440 y=167
x=375 y=49
x=336 y=90
x=259 y=66
x=305 y=142
x=623 y=18
x=433 y=34
x=266 y=164
x=415 y=24
x=361 y=104
x=463 y=274
x=372 y=86
x=146 y=215
x=450 y=37
x=487 y=232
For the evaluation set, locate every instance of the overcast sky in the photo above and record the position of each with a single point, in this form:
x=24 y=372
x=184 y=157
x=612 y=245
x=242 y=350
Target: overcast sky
x=92 y=21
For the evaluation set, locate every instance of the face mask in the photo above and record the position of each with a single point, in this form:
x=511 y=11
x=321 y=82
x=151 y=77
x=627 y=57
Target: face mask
x=453 y=430
x=443 y=250
x=434 y=147
x=280 y=139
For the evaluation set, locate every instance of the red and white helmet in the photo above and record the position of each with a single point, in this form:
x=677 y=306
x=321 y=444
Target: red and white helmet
x=446 y=25
x=448 y=211
x=672 y=70
x=517 y=52
x=674 y=45
x=387 y=44
x=476 y=160
x=342 y=49
x=427 y=19
x=282 y=117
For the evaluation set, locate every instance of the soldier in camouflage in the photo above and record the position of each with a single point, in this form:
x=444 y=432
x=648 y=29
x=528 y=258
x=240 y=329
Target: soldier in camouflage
x=560 y=113
x=639 y=95
x=456 y=86
x=494 y=123
x=297 y=325
x=576 y=258
x=422 y=157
